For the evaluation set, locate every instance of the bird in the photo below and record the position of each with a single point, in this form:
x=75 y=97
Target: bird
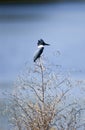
x=40 y=45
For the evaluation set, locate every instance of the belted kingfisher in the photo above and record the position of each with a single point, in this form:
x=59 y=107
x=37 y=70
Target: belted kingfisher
x=40 y=45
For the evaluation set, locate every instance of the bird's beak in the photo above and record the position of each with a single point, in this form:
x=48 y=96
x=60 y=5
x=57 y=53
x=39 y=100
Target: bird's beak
x=46 y=44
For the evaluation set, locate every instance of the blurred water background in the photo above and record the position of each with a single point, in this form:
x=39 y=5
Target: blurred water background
x=60 y=24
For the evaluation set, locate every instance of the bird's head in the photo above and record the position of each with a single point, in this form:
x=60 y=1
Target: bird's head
x=41 y=42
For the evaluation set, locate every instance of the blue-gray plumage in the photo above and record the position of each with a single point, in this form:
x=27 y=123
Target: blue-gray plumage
x=41 y=45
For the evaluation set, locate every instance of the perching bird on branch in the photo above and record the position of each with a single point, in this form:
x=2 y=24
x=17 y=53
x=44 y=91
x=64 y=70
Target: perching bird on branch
x=40 y=45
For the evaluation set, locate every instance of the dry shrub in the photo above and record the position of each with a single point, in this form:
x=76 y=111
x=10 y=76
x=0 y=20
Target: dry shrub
x=41 y=101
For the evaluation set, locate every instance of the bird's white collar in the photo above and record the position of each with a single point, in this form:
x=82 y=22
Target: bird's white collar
x=40 y=46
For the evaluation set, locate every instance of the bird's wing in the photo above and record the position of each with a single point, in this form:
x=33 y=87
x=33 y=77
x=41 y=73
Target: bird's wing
x=38 y=53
